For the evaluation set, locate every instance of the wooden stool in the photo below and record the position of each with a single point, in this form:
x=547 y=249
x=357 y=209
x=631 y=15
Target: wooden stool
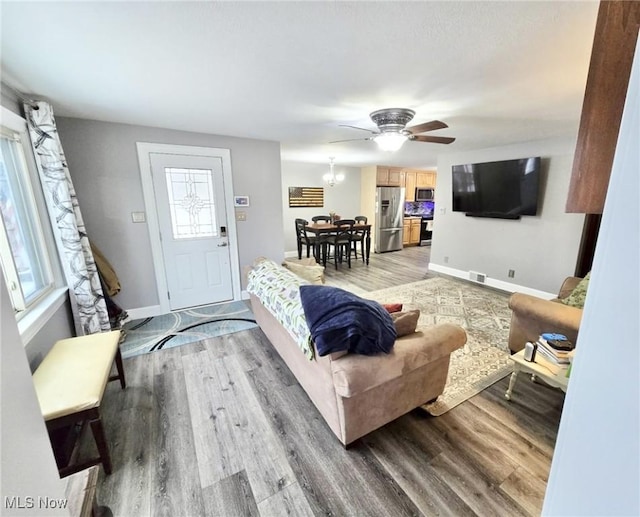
x=70 y=383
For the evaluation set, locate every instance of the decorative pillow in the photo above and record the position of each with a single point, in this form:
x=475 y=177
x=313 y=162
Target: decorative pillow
x=260 y=260
x=392 y=307
x=405 y=322
x=313 y=274
x=340 y=320
x=579 y=294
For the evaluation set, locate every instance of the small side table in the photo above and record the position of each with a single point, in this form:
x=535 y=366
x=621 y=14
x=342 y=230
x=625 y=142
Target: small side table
x=70 y=383
x=558 y=380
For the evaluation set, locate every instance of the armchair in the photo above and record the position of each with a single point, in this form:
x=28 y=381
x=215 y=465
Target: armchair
x=531 y=316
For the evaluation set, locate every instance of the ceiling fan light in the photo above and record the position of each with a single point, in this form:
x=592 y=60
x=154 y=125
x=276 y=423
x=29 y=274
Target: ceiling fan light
x=390 y=141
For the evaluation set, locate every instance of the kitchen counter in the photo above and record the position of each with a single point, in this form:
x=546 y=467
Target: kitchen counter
x=418 y=216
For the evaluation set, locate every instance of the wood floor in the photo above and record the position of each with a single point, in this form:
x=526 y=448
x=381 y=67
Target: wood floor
x=222 y=428
x=384 y=270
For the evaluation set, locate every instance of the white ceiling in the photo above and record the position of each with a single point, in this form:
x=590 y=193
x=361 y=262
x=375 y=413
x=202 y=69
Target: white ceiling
x=495 y=72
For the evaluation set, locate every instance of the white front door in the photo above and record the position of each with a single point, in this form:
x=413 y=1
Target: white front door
x=192 y=218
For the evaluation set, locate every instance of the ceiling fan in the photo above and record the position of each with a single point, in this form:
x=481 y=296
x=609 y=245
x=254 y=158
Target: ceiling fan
x=392 y=131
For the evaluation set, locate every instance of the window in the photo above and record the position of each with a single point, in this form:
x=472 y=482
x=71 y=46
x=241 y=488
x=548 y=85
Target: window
x=23 y=252
x=191 y=202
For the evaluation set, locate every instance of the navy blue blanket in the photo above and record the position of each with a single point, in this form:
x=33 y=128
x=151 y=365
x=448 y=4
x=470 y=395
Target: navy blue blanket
x=340 y=320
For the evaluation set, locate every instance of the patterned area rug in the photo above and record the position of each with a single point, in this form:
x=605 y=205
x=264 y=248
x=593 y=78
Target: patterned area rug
x=484 y=315
x=182 y=327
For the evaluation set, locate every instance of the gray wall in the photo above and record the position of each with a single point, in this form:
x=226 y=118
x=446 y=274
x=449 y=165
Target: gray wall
x=59 y=326
x=103 y=163
x=541 y=249
x=28 y=466
x=596 y=463
x=343 y=198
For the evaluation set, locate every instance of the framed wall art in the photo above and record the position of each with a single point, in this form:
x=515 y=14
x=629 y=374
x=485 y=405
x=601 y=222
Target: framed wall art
x=306 y=197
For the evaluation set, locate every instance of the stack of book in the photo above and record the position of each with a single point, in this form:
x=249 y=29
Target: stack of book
x=554 y=351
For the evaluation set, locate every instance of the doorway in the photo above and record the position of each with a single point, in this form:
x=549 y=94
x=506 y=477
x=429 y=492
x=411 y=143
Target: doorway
x=188 y=196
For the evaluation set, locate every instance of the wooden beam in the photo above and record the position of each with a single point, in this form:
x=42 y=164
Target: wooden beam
x=614 y=44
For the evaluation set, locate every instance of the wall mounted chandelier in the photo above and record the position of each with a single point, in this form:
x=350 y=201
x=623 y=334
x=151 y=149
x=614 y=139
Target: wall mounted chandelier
x=331 y=178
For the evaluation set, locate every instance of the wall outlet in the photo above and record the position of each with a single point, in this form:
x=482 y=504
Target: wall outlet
x=241 y=216
x=512 y=273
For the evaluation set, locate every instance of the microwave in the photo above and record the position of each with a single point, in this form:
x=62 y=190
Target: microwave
x=424 y=194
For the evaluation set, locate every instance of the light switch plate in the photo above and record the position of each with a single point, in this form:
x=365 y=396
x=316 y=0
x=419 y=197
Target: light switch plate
x=241 y=215
x=138 y=217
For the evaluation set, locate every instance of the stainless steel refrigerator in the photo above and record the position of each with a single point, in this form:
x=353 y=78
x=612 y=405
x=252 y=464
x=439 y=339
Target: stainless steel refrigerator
x=389 y=218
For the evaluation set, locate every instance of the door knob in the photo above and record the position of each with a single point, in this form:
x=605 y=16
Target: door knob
x=222 y=245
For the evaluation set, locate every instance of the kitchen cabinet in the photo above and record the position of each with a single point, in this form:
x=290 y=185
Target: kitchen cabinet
x=410 y=185
x=415 y=231
x=389 y=177
x=411 y=231
x=425 y=179
x=406 y=232
x=407 y=178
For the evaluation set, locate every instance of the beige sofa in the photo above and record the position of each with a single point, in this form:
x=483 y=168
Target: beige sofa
x=531 y=316
x=357 y=394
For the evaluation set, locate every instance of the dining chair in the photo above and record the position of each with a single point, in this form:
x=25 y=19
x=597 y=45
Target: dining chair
x=321 y=218
x=359 y=235
x=303 y=238
x=341 y=242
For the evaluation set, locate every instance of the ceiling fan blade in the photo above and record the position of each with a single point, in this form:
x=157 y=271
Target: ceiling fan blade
x=432 y=139
x=350 y=140
x=361 y=128
x=427 y=126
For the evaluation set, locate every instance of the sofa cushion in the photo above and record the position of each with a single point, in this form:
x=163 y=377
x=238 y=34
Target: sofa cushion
x=405 y=322
x=354 y=374
x=578 y=295
x=340 y=320
x=312 y=272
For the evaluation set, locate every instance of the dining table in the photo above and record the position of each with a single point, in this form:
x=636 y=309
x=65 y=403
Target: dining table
x=320 y=229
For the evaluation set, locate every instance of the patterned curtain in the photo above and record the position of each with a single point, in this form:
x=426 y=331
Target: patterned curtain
x=87 y=299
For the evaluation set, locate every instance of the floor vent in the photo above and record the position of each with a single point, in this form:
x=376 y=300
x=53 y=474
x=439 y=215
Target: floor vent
x=477 y=277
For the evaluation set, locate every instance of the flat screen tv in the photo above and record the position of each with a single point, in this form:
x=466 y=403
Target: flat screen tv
x=506 y=189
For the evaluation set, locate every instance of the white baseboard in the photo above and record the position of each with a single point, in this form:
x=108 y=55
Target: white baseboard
x=290 y=254
x=156 y=310
x=144 y=312
x=491 y=282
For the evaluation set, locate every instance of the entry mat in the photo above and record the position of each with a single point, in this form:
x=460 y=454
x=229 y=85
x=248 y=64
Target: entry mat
x=187 y=326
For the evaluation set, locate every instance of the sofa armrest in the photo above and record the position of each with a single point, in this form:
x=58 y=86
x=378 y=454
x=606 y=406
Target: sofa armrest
x=355 y=373
x=532 y=316
x=568 y=286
